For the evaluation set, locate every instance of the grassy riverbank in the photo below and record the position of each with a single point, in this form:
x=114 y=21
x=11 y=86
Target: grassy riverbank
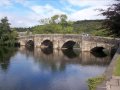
x=117 y=67
x=93 y=82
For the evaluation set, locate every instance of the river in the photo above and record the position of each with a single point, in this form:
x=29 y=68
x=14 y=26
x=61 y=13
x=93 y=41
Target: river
x=36 y=69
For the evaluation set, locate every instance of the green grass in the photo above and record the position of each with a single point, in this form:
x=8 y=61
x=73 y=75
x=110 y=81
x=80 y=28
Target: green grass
x=117 y=67
x=93 y=82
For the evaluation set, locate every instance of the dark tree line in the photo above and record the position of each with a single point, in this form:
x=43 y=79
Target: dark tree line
x=22 y=29
x=112 y=21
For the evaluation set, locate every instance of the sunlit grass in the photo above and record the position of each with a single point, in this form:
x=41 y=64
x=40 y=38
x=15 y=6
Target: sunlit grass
x=93 y=82
x=117 y=67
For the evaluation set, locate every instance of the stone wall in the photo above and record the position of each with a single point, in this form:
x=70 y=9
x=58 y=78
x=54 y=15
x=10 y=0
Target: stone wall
x=109 y=72
x=86 y=43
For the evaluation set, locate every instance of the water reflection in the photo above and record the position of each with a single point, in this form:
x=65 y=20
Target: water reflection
x=38 y=69
x=70 y=53
x=5 y=54
x=47 y=51
x=58 y=59
x=99 y=54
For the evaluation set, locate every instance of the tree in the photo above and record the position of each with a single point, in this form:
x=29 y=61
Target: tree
x=55 y=24
x=63 y=20
x=4 y=25
x=45 y=21
x=54 y=19
x=7 y=36
x=112 y=21
x=4 y=28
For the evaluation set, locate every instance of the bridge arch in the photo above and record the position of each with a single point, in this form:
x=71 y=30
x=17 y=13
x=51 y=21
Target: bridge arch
x=46 y=44
x=29 y=43
x=17 y=44
x=70 y=44
x=97 y=49
x=100 y=51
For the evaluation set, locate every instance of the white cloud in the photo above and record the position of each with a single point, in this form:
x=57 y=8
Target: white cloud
x=39 y=12
x=69 y=9
x=32 y=17
x=20 y=1
x=46 y=11
x=20 y=21
x=90 y=2
x=26 y=3
x=88 y=14
x=5 y=3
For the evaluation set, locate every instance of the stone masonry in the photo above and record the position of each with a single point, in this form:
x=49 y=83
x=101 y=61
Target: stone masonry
x=86 y=43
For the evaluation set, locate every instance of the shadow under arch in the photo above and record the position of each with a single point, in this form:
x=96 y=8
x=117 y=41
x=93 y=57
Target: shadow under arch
x=99 y=52
x=70 y=45
x=47 y=44
x=70 y=53
x=47 y=51
x=17 y=44
x=29 y=44
x=97 y=49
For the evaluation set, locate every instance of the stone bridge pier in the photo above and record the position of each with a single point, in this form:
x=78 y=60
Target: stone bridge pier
x=61 y=41
x=58 y=41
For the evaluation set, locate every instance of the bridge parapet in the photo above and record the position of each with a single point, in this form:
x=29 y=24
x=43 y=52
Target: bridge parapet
x=101 y=39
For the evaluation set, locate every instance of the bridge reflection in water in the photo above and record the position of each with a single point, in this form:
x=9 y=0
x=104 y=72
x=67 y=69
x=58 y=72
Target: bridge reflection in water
x=57 y=59
x=49 y=69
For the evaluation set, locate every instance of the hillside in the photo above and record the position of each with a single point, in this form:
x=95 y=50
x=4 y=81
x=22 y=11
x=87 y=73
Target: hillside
x=93 y=27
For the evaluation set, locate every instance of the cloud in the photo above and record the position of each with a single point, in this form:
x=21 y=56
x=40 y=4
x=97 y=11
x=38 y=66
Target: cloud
x=5 y=3
x=21 y=1
x=87 y=14
x=90 y=2
x=21 y=21
x=90 y=12
x=25 y=3
x=34 y=11
x=46 y=11
x=32 y=17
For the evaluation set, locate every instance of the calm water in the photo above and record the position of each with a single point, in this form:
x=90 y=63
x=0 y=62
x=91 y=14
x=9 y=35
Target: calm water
x=48 y=70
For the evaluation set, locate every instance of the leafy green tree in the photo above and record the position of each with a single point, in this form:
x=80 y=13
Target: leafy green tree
x=60 y=24
x=112 y=21
x=4 y=25
x=63 y=20
x=54 y=19
x=7 y=36
x=4 y=29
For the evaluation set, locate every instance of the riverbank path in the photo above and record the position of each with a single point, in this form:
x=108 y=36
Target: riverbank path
x=114 y=83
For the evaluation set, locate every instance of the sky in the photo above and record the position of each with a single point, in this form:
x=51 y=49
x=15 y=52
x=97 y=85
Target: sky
x=27 y=13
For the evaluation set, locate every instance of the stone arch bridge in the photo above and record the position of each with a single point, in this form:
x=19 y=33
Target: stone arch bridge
x=58 y=41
